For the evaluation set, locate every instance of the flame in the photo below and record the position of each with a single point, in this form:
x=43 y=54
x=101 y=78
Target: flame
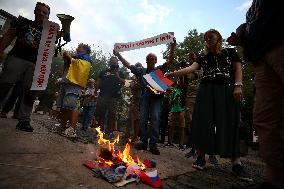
x=141 y=164
x=125 y=156
x=109 y=163
x=153 y=89
x=104 y=142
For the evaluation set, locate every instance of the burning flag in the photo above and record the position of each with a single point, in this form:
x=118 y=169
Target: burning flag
x=110 y=156
x=119 y=167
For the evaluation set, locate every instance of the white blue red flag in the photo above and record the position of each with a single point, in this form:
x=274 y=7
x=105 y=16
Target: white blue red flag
x=157 y=81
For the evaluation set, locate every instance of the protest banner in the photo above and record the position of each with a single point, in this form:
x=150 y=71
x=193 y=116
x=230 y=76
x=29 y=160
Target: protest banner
x=149 y=42
x=45 y=55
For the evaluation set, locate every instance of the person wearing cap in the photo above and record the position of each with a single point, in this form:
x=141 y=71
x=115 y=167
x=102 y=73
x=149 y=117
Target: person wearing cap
x=216 y=115
x=89 y=104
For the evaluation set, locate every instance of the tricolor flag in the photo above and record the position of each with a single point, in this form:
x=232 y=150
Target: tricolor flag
x=151 y=178
x=157 y=82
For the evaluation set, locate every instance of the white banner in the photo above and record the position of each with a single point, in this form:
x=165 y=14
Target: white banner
x=149 y=42
x=45 y=55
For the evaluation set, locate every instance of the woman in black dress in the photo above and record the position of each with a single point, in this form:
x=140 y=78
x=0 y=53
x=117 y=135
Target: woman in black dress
x=216 y=116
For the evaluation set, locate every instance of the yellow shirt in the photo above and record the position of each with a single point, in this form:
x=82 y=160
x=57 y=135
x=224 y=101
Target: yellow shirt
x=78 y=72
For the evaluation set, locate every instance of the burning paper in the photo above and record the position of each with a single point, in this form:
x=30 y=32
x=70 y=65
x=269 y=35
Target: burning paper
x=112 y=157
x=119 y=168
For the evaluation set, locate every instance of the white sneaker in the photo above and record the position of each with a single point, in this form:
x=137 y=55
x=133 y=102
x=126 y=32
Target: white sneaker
x=70 y=132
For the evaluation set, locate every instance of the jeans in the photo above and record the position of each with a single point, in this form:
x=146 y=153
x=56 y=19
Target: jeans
x=88 y=113
x=106 y=109
x=150 y=108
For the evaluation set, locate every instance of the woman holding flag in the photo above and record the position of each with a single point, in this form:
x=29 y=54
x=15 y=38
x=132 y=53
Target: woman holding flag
x=216 y=115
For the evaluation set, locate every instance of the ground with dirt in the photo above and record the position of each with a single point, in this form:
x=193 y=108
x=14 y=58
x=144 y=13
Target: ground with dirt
x=46 y=159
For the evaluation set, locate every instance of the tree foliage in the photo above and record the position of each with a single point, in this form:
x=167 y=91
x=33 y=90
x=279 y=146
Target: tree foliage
x=100 y=62
x=193 y=42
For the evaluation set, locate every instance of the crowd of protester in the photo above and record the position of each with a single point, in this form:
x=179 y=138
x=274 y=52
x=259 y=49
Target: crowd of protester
x=201 y=111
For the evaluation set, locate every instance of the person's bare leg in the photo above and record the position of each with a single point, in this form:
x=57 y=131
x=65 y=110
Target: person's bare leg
x=64 y=118
x=182 y=127
x=74 y=114
x=171 y=127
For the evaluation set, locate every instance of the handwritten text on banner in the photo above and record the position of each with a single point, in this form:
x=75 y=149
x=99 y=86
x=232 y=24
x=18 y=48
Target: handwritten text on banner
x=149 y=42
x=45 y=55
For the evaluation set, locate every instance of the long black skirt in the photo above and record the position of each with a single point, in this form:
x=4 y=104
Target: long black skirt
x=216 y=120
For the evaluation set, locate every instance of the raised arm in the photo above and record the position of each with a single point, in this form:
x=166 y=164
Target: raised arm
x=237 y=38
x=172 y=54
x=124 y=62
x=184 y=71
x=67 y=57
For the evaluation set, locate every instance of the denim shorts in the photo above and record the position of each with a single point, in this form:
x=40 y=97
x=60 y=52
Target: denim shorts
x=70 y=96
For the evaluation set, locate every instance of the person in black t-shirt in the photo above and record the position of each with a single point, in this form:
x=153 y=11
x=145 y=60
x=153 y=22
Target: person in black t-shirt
x=109 y=84
x=20 y=62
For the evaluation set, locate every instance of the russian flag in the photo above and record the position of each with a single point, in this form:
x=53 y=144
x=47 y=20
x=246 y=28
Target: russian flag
x=157 y=81
x=151 y=178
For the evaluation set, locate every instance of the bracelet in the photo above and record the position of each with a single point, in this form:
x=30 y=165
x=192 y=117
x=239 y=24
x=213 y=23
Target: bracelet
x=238 y=83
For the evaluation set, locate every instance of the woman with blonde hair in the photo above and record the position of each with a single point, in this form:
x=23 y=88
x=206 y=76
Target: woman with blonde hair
x=216 y=115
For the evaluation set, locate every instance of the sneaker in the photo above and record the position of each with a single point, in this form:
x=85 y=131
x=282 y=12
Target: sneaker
x=169 y=144
x=240 y=172
x=70 y=132
x=24 y=126
x=3 y=115
x=58 y=129
x=199 y=163
x=213 y=160
x=191 y=153
x=140 y=146
x=154 y=150
x=181 y=147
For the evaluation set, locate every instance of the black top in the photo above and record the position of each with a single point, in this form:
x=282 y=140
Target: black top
x=28 y=39
x=110 y=85
x=218 y=68
x=264 y=28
